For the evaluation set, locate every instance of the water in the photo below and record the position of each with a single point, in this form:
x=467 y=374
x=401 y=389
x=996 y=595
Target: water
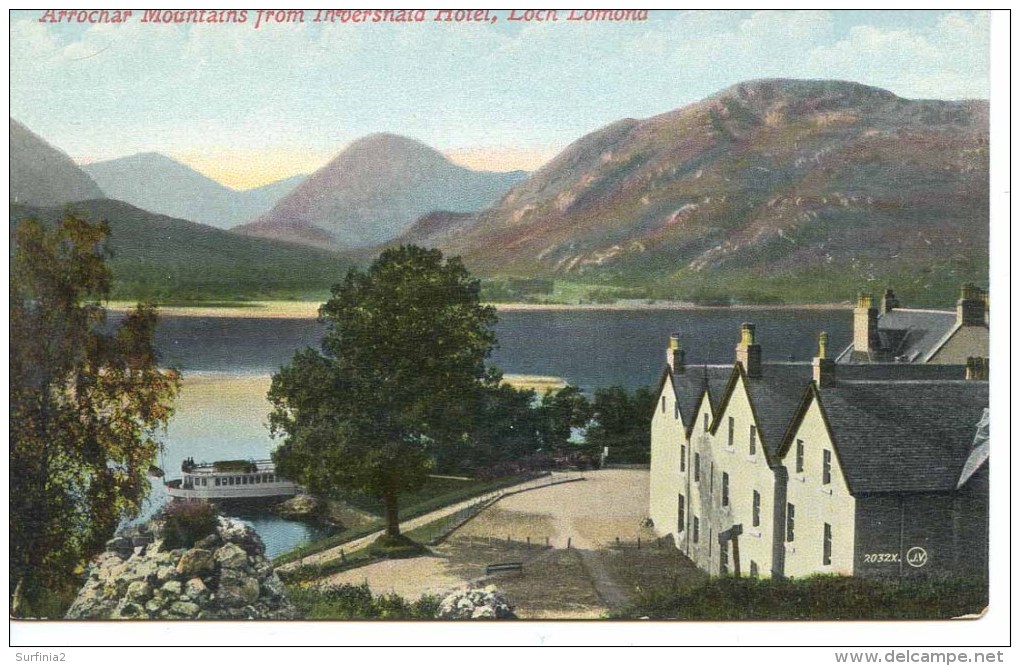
x=589 y=348
x=222 y=411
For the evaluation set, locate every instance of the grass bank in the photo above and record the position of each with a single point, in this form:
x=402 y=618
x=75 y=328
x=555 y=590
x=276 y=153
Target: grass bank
x=814 y=598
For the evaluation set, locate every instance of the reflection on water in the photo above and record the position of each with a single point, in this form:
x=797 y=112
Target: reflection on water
x=222 y=410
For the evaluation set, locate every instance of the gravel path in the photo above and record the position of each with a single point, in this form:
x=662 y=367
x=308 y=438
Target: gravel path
x=591 y=513
x=407 y=525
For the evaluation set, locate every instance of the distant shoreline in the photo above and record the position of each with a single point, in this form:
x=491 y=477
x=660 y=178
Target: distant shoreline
x=309 y=309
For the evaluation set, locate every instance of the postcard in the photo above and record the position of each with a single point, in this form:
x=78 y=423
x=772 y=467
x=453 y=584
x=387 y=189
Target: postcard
x=502 y=319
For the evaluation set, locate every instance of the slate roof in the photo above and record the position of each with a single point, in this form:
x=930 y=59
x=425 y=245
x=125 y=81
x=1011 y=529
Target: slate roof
x=908 y=334
x=775 y=397
x=904 y=436
x=689 y=385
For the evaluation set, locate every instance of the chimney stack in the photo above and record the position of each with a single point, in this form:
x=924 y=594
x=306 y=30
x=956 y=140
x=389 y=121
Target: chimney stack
x=977 y=368
x=749 y=352
x=823 y=367
x=866 y=326
x=970 y=309
x=889 y=301
x=675 y=354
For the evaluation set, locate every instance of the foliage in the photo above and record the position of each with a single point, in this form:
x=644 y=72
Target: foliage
x=620 y=421
x=561 y=412
x=154 y=258
x=356 y=602
x=185 y=523
x=86 y=402
x=398 y=379
x=815 y=598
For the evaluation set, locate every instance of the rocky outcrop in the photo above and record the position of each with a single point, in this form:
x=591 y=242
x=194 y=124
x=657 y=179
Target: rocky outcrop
x=223 y=576
x=486 y=603
x=301 y=507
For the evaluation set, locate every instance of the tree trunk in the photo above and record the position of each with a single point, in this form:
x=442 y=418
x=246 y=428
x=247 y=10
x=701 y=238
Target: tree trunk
x=392 y=519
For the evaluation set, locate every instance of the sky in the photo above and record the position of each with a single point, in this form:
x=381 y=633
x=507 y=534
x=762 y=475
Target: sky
x=248 y=106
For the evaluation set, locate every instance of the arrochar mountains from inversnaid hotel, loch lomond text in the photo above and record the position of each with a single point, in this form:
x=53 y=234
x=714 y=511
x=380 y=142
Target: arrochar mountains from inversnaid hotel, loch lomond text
x=788 y=183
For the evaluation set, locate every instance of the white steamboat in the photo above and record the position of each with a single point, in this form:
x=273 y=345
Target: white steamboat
x=230 y=480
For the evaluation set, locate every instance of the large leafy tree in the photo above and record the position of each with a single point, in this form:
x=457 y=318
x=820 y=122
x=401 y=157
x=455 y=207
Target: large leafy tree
x=399 y=377
x=87 y=400
x=620 y=421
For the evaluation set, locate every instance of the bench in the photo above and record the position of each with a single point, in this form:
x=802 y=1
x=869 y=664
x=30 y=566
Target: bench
x=503 y=566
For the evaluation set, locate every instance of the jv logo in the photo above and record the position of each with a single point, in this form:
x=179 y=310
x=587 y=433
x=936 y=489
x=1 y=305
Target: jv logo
x=917 y=557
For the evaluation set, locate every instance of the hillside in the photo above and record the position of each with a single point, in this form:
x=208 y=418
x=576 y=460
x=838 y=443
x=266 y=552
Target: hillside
x=168 y=259
x=374 y=190
x=772 y=189
x=41 y=175
x=162 y=185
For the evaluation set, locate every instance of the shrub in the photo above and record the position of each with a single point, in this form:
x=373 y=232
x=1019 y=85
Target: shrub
x=184 y=523
x=356 y=602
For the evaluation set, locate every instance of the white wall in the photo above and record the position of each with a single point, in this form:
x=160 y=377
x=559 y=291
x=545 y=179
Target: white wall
x=816 y=503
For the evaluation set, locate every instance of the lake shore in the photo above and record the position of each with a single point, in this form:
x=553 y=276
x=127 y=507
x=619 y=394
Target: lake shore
x=310 y=309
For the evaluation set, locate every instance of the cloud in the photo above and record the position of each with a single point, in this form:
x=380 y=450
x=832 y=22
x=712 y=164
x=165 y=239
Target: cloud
x=104 y=90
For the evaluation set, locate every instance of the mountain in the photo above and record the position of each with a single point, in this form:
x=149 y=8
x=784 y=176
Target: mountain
x=374 y=190
x=823 y=186
x=160 y=184
x=42 y=175
x=168 y=259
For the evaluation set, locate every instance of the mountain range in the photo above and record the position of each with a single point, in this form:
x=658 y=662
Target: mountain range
x=162 y=185
x=375 y=190
x=41 y=175
x=770 y=190
x=766 y=181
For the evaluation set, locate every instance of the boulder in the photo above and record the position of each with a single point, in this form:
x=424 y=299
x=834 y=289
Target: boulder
x=301 y=507
x=473 y=604
x=231 y=556
x=196 y=562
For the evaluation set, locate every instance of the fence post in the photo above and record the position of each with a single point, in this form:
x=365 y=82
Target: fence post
x=547 y=542
x=617 y=542
x=568 y=543
x=639 y=543
x=529 y=542
x=343 y=557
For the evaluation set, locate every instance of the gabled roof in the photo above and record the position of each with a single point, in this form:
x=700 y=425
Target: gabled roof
x=774 y=396
x=903 y=436
x=693 y=382
x=912 y=335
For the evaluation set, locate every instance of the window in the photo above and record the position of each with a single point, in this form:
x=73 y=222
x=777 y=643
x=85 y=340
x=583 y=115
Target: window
x=696 y=528
x=663 y=404
x=789 y=522
x=725 y=489
x=800 y=455
x=216 y=481
x=697 y=467
x=244 y=480
x=676 y=410
x=729 y=438
x=756 y=509
x=680 y=514
x=724 y=560
x=683 y=457
x=826 y=467
x=711 y=479
x=754 y=440
x=705 y=421
x=754 y=569
x=827 y=545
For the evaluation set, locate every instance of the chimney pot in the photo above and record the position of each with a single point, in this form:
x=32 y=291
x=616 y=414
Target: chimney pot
x=748 y=351
x=823 y=368
x=972 y=307
x=675 y=354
